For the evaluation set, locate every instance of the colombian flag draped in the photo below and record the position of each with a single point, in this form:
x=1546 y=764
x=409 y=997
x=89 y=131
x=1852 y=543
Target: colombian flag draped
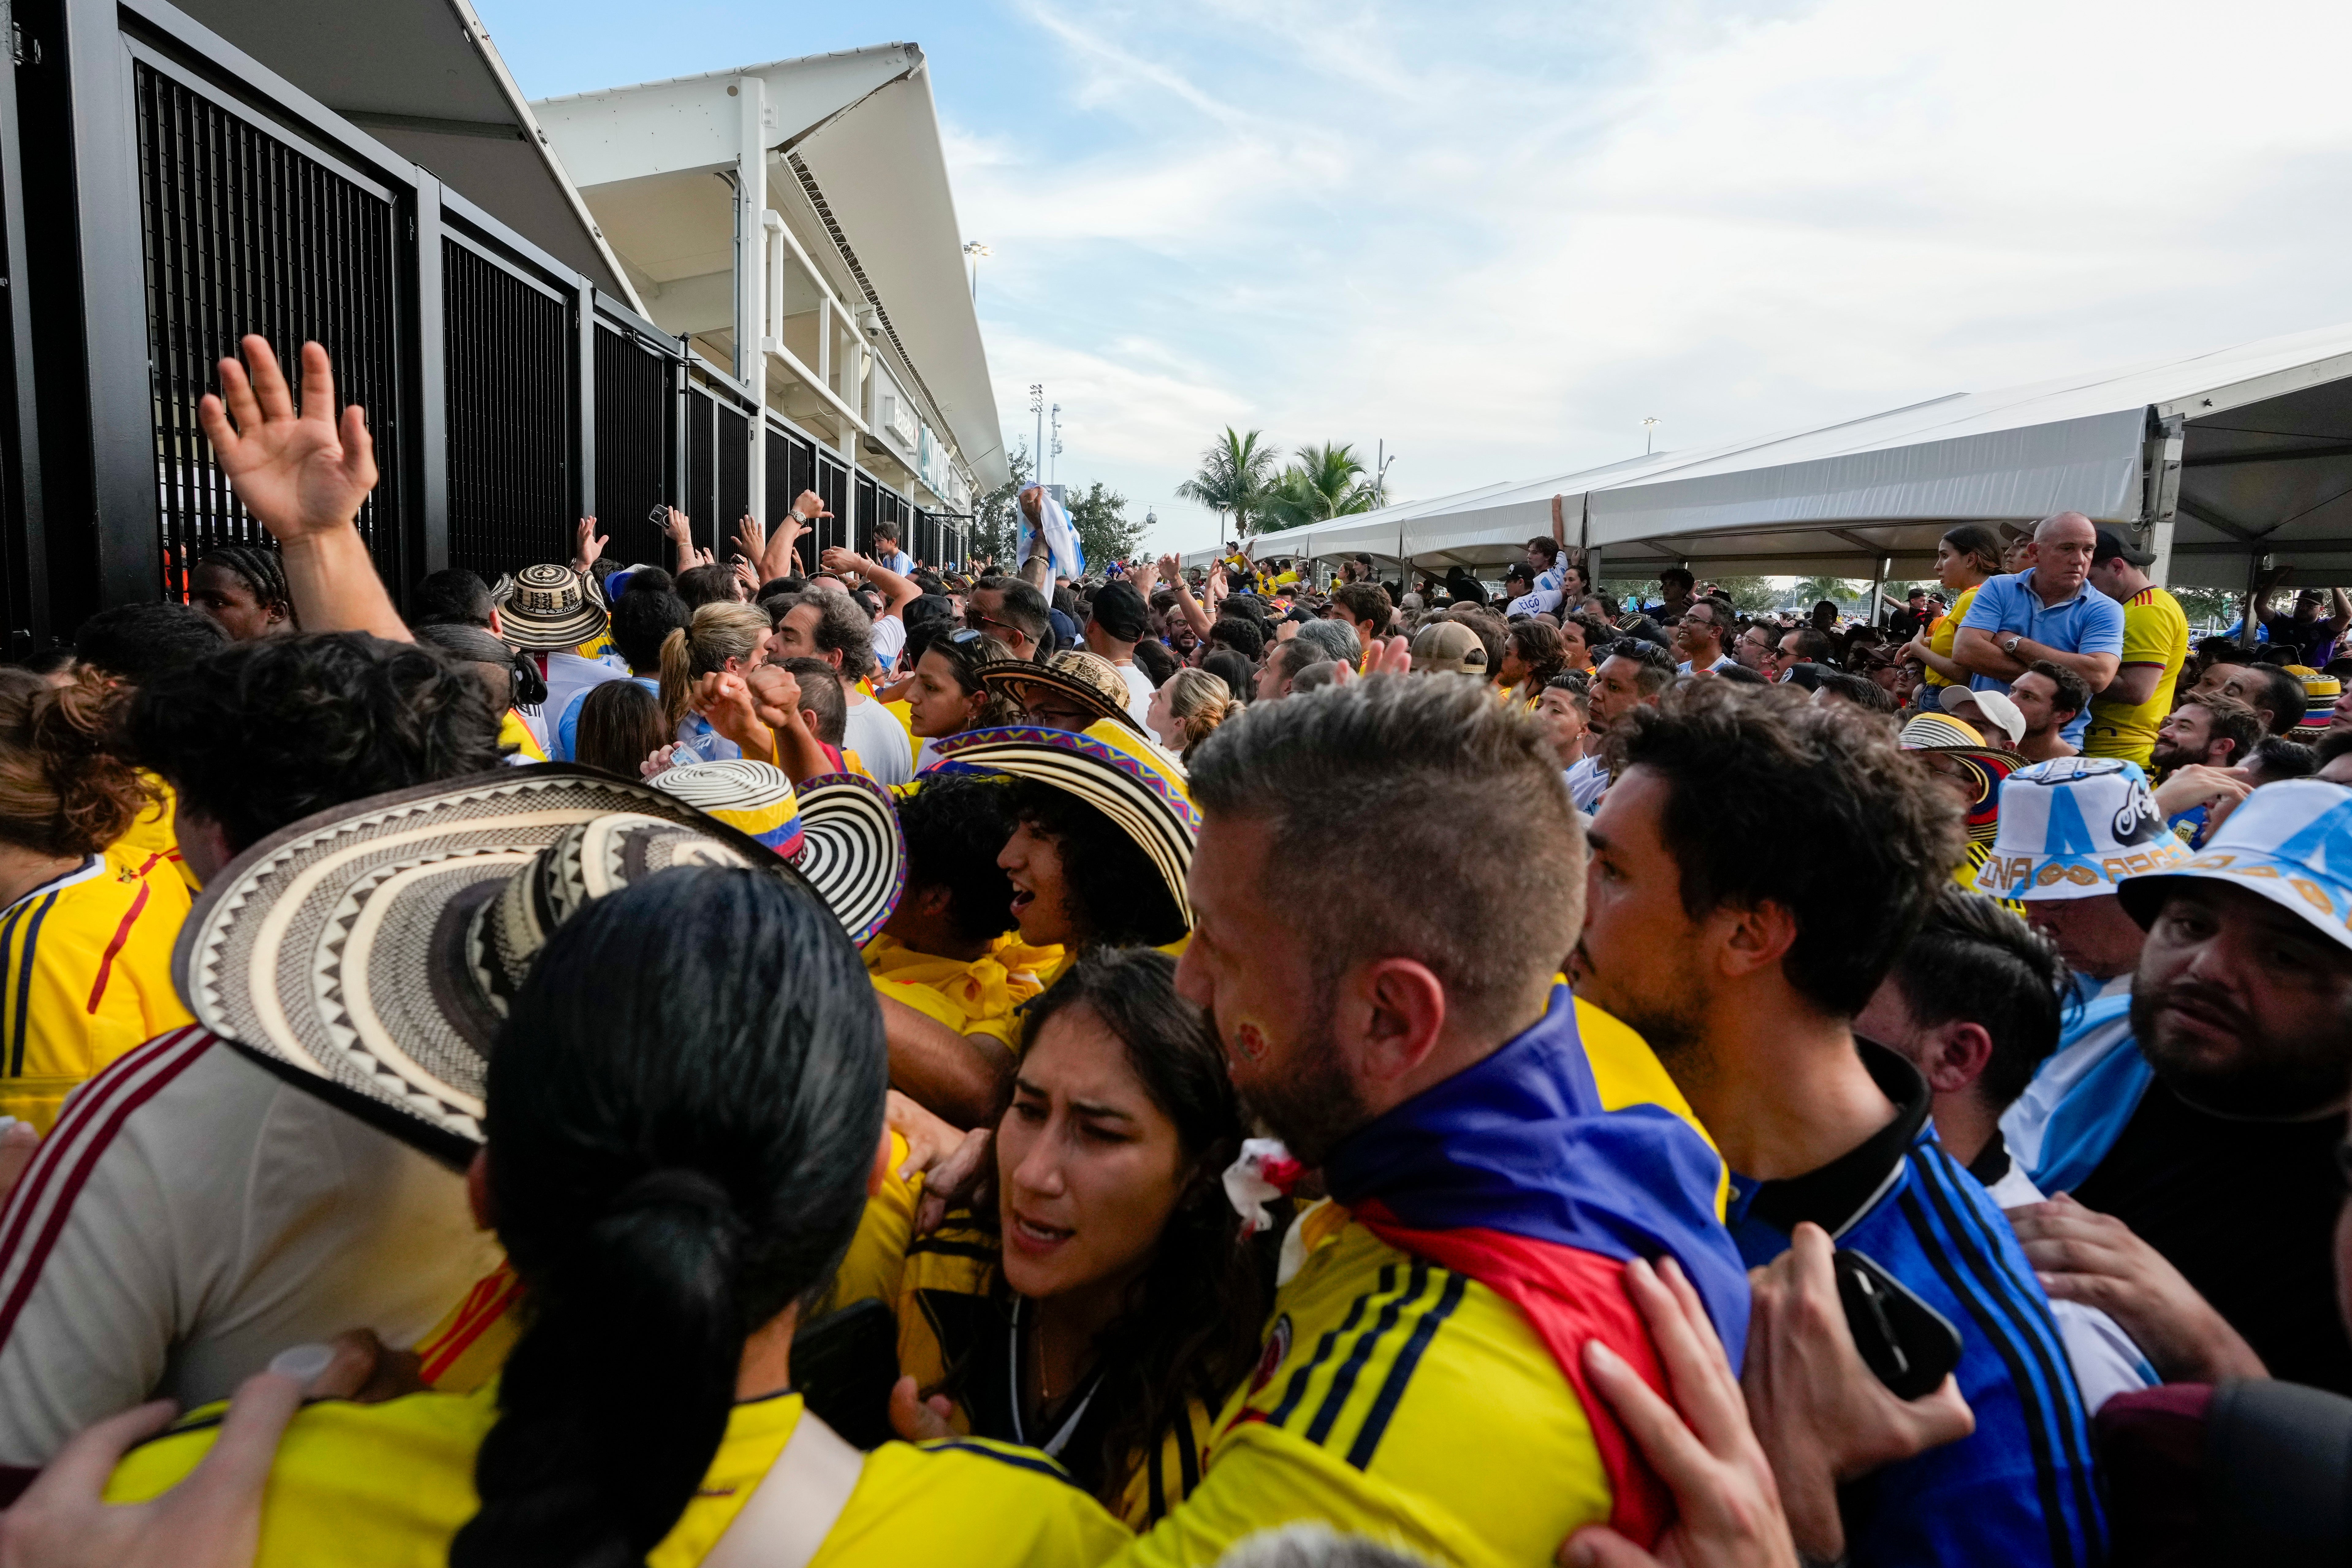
x=1519 y=1174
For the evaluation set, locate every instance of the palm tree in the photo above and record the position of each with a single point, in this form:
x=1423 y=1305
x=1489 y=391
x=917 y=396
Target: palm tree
x=1811 y=591
x=1234 y=477
x=1326 y=481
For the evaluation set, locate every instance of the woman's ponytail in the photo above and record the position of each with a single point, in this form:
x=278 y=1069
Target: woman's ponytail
x=672 y=1166
x=570 y=1476
x=676 y=677
x=64 y=789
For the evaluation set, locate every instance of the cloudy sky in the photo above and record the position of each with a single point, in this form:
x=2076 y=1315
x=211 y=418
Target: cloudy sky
x=1498 y=236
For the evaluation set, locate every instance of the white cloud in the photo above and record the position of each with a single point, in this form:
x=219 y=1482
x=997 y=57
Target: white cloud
x=1499 y=239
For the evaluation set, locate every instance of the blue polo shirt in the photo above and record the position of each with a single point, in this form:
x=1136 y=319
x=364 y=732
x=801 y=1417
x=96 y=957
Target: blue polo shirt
x=2090 y=622
x=2020 y=1490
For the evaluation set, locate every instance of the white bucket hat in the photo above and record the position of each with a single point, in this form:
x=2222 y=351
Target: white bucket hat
x=2076 y=828
x=2289 y=842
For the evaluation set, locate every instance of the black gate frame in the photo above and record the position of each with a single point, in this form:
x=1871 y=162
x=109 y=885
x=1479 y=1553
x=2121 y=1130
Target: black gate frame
x=80 y=472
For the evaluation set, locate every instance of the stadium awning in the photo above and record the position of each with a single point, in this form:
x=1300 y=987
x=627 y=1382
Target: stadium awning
x=2216 y=460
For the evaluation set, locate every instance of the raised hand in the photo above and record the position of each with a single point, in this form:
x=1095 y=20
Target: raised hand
x=837 y=558
x=588 y=545
x=751 y=537
x=748 y=576
x=299 y=474
x=725 y=698
x=775 y=696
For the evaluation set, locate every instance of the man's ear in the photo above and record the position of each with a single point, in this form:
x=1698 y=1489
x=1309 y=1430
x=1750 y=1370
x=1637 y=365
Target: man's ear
x=1954 y=1056
x=1758 y=937
x=1397 y=1014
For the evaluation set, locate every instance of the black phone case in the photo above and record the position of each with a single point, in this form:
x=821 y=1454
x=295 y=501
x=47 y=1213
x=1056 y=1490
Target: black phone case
x=844 y=1366
x=1908 y=1345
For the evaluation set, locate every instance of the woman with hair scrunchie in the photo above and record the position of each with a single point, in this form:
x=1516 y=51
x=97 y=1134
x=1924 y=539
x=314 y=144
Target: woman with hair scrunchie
x=1187 y=709
x=675 y=1169
x=86 y=924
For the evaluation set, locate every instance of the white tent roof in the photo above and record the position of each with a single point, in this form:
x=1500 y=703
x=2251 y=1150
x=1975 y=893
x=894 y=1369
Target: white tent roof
x=2266 y=467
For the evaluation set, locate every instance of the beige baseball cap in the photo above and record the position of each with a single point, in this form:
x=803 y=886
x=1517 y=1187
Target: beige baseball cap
x=1448 y=647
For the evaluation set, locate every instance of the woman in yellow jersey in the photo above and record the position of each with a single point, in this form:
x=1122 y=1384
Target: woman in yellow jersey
x=944 y=694
x=1532 y=653
x=1965 y=557
x=1106 y=1308
x=86 y=924
x=674 y=1170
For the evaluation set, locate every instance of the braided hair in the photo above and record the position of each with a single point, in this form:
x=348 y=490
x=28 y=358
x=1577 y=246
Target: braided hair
x=671 y=1167
x=261 y=569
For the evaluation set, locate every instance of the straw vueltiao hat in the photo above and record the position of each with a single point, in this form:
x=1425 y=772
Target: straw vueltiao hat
x=1130 y=781
x=548 y=608
x=839 y=830
x=1939 y=734
x=369 y=952
x=1086 y=678
x=2319 y=695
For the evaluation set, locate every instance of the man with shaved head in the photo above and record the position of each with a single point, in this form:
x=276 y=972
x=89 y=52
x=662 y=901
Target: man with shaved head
x=2047 y=611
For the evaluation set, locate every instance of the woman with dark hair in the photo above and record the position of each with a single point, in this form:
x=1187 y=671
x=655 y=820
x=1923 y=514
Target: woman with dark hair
x=242 y=586
x=1106 y=1308
x=944 y=695
x=675 y=1172
x=1965 y=557
x=620 y=726
x=1532 y=653
x=1233 y=670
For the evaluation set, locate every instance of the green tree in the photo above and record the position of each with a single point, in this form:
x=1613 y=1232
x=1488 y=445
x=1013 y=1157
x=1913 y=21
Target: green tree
x=1323 y=482
x=1748 y=596
x=1235 y=473
x=2209 y=605
x=1811 y=591
x=1104 y=532
x=996 y=517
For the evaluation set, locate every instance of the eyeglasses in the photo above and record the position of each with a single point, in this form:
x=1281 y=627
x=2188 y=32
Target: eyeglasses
x=974 y=619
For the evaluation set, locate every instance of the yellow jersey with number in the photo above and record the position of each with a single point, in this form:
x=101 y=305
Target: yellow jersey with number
x=361 y=1486
x=86 y=976
x=2155 y=633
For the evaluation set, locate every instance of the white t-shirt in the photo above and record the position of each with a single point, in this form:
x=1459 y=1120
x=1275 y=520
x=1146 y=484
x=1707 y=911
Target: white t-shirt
x=889 y=641
x=2106 y=1361
x=1587 y=780
x=874 y=733
x=1139 y=692
x=193 y=1214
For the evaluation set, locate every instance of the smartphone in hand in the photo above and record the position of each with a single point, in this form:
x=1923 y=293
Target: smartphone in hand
x=1908 y=1345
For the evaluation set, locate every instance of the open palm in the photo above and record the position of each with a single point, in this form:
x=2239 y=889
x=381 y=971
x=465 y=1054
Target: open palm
x=302 y=474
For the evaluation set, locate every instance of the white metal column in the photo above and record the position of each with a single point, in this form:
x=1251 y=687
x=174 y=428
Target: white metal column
x=750 y=289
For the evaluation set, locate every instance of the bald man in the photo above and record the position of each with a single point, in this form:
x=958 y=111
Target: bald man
x=2047 y=611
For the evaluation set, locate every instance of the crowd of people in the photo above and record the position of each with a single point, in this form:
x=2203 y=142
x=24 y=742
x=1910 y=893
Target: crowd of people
x=824 y=1058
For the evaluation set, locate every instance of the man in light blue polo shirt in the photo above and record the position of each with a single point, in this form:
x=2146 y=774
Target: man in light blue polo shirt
x=2047 y=611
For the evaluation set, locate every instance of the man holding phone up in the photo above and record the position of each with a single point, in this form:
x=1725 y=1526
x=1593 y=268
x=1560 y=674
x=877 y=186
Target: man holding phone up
x=1740 y=930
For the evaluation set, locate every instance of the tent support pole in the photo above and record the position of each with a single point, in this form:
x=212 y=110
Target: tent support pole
x=1877 y=586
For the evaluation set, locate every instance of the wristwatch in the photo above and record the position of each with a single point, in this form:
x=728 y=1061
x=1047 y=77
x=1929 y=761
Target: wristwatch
x=2009 y=644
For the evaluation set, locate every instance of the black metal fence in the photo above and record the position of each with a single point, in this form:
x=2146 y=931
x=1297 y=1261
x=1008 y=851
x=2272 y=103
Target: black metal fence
x=202 y=197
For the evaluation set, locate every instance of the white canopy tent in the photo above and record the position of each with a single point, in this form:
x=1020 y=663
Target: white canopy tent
x=2217 y=462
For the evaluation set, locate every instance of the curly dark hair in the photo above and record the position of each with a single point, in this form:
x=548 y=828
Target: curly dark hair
x=956 y=825
x=1189 y=1327
x=263 y=733
x=1115 y=893
x=1772 y=799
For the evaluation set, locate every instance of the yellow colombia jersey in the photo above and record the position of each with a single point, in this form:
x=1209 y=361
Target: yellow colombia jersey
x=946 y=1315
x=2155 y=633
x=514 y=732
x=978 y=997
x=465 y=1349
x=363 y=1485
x=1400 y=1400
x=1940 y=639
x=153 y=831
x=86 y=963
